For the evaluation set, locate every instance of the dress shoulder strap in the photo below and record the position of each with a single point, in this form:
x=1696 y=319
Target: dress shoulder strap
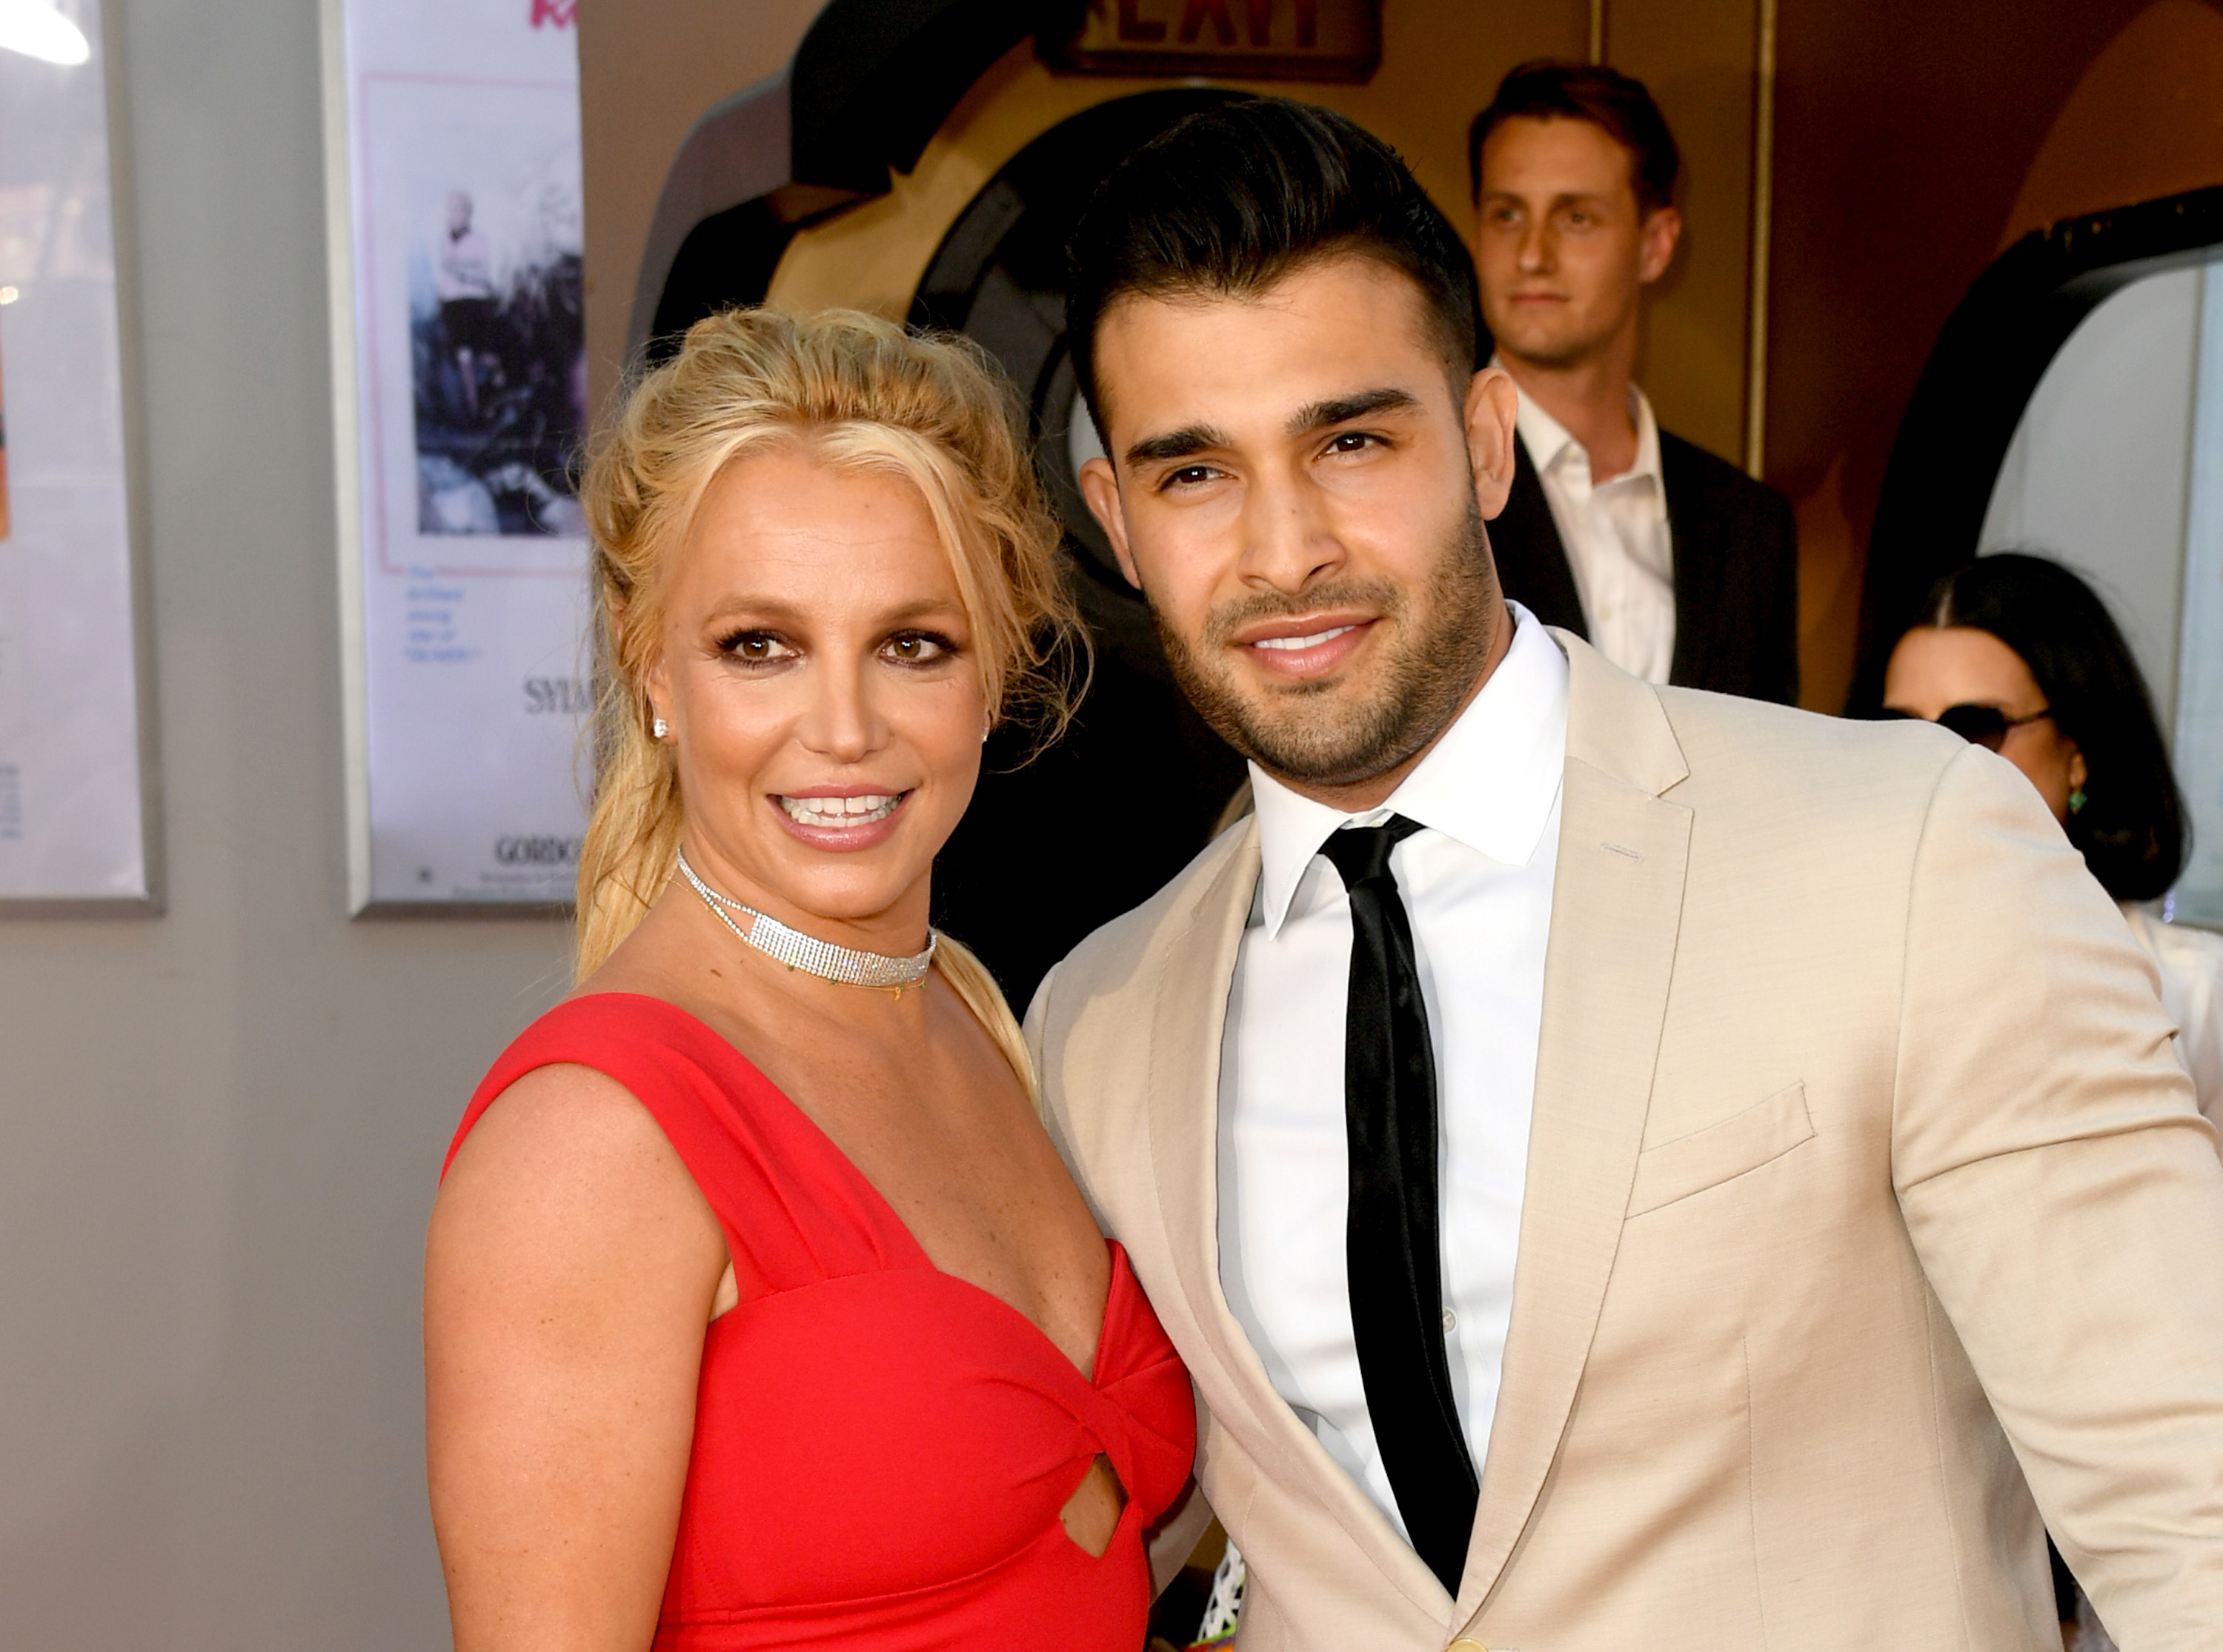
x=794 y=1210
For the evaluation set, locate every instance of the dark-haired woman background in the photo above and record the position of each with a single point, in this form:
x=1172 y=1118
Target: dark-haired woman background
x=2017 y=653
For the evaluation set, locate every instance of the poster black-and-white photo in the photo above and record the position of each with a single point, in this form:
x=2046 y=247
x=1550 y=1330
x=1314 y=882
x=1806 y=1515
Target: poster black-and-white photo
x=74 y=820
x=464 y=371
x=497 y=350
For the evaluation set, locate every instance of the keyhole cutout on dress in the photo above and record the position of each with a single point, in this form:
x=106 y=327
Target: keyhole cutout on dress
x=1091 y=1513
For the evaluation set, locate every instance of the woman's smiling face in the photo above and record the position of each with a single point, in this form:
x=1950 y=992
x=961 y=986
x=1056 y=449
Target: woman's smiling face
x=818 y=677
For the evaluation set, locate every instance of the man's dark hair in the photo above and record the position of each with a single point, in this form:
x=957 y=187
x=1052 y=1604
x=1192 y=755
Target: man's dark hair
x=2132 y=828
x=1228 y=201
x=1546 y=89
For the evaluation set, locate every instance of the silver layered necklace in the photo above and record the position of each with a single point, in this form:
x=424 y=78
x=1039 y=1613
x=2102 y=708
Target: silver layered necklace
x=846 y=964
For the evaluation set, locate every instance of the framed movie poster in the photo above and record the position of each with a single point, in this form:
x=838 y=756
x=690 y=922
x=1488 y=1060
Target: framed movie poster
x=76 y=823
x=453 y=151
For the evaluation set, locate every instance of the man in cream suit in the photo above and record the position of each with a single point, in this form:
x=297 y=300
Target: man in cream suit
x=1626 y=1167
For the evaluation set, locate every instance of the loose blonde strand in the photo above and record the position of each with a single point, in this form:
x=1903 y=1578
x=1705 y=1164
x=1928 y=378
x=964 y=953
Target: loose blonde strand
x=969 y=979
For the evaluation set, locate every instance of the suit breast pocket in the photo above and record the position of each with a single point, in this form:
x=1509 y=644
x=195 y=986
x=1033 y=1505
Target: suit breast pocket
x=1721 y=1153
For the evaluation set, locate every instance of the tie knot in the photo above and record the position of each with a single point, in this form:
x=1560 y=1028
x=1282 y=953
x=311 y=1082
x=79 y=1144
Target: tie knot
x=1361 y=854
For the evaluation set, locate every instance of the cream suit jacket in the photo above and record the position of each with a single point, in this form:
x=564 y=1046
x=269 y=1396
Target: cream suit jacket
x=1865 y=1203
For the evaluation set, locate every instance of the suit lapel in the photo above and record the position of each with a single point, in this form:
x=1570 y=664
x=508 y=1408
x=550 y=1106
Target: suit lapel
x=1188 y=1024
x=1616 y=909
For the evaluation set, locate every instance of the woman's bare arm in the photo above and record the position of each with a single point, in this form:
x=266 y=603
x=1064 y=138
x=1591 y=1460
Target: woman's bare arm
x=568 y=1278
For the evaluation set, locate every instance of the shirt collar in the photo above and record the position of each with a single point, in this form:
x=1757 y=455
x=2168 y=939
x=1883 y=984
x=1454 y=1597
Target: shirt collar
x=1648 y=437
x=1489 y=782
x=1546 y=438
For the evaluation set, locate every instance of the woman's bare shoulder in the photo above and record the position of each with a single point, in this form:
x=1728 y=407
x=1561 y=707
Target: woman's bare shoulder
x=567 y=1156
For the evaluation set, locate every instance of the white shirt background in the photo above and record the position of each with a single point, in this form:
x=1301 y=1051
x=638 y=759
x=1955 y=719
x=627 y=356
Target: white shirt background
x=1476 y=884
x=2190 y=964
x=1616 y=537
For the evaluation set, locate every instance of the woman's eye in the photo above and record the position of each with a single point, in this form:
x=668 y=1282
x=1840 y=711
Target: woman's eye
x=754 y=647
x=918 y=647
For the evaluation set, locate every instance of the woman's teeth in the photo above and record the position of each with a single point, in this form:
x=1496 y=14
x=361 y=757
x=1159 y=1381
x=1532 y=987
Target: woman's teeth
x=1294 y=643
x=840 y=813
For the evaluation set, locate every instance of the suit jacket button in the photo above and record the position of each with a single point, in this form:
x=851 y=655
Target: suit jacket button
x=1466 y=1643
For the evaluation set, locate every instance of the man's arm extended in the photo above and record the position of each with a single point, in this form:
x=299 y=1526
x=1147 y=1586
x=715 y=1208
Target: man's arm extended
x=2066 y=1201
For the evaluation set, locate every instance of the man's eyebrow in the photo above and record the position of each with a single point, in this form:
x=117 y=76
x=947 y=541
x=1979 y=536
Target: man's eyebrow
x=1342 y=409
x=1189 y=440
x=1564 y=197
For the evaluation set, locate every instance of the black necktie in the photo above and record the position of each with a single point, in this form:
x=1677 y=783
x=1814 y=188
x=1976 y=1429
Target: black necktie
x=1389 y=1236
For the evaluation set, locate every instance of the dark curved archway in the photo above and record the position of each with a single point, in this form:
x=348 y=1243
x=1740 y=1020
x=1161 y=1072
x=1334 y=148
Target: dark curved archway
x=1989 y=357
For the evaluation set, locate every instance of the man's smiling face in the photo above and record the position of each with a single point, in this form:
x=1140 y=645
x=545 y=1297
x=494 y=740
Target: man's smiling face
x=1297 y=483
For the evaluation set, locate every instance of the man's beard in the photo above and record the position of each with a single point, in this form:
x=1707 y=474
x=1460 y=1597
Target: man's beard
x=1297 y=733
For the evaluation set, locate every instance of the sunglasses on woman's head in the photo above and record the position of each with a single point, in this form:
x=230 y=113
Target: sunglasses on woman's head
x=1983 y=725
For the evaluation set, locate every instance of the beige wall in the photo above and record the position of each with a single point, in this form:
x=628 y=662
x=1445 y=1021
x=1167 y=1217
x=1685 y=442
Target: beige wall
x=1441 y=58
x=223 y=1125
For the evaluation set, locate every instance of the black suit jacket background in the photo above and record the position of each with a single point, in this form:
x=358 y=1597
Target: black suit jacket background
x=1736 y=551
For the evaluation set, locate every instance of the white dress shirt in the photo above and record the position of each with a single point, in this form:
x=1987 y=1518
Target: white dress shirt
x=1616 y=537
x=1476 y=884
x=2190 y=964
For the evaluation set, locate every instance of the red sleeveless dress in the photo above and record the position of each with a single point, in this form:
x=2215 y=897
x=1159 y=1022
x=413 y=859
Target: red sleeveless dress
x=881 y=1449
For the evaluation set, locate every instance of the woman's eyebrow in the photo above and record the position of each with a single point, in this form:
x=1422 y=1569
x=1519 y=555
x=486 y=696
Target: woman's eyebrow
x=777 y=611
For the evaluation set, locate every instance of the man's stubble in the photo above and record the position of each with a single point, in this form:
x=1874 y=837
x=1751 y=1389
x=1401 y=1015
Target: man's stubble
x=1300 y=733
x=1560 y=352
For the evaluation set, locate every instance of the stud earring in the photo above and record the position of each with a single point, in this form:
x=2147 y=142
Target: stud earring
x=2076 y=800
x=660 y=726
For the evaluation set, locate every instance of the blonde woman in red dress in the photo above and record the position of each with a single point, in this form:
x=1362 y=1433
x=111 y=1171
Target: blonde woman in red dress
x=761 y=1312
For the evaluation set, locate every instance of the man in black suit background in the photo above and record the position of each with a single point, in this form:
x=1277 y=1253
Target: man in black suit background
x=1674 y=564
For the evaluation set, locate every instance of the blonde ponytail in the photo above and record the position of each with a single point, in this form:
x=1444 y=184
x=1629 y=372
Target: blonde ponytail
x=632 y=836
x=859 y=392
x=969 y=979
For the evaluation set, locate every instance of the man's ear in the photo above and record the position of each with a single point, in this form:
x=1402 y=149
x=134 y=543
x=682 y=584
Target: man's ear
x=1662 y=231
x=1100 y=487
x=1492 y=404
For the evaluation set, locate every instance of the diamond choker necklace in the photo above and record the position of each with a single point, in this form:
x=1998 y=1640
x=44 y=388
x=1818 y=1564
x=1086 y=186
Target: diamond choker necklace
x=810 y=954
